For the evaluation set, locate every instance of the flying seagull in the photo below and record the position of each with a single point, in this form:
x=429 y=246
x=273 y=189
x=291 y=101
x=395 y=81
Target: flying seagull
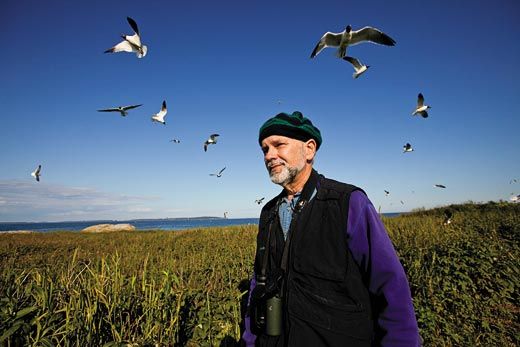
x=358 y=66
x=159 y=117
x=513 y=181
x=439 y=186
x=387 y=192
x=350 y=37
x=225 y=215
x=210 y=141
x=259 y=201
x=175 y=141
x=407 y=148
x=121 y=109
x=130 y=43
x=219 y=174
x=36 y=174
x=515 y=198
x=421 y=108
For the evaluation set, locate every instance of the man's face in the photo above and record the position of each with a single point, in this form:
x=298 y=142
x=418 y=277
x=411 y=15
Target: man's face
x=284 y=158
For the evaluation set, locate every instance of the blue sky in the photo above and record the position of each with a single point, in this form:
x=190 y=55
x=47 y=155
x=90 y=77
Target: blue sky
x=222 y=67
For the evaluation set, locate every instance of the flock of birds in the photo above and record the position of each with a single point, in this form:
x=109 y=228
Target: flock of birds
x=341 y=41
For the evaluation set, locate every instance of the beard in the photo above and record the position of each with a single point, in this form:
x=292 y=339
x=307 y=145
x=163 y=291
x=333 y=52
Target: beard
x=287 y=173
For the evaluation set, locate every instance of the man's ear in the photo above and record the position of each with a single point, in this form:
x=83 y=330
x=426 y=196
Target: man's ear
x=310 y=149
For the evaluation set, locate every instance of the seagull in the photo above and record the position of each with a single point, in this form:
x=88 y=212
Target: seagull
x=439 y=186
x=421 y=107
x=130 y=43
x=225 y=215
x=210 y=141
x=36 y=174
x=515 y=198
x=447 y=217
x=513 y=181
x=259 y=201
x=358 y=66
x=121 y=109
x=350 y=37
x=219 y=174
x=387 y=192
x=175 y=141
x=407 y=148
x=402 y=203
x=159 y=117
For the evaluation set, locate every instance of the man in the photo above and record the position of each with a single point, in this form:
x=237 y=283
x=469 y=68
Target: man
x=326 y=273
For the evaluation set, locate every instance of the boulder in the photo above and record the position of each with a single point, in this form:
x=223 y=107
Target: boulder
x=105 y=228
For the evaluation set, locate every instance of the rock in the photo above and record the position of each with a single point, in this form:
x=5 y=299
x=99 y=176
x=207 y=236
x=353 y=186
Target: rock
x=105 y=228
x=17 y=232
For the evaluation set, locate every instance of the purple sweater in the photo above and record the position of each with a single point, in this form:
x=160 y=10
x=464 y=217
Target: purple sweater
x=376 y=257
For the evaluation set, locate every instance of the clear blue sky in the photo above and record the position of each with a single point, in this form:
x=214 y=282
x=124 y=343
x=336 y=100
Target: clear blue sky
x=222 y=66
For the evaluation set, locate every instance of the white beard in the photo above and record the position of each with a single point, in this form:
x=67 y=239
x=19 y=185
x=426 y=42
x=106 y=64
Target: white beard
x=287 y=174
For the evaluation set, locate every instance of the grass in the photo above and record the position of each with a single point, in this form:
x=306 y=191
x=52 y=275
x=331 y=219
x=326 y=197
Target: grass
x=188 y=287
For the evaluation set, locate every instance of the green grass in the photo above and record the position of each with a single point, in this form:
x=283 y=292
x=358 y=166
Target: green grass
x=186 y=288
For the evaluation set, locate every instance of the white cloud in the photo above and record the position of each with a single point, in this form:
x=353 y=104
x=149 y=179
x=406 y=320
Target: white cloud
x=24 y=201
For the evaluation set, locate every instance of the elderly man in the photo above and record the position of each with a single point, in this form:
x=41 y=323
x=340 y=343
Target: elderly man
x=326 y=273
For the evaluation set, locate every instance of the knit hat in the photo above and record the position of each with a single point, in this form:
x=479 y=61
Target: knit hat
x=294 y=125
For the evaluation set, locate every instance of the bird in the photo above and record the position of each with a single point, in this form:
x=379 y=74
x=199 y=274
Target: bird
x=210 y=141
x=121 y=109
x=439 y=185
x=358 y=66
x=219 y=174
x=36 y=174
x=225 y=215
x=513 y=181
x=159 y=117
x=515 y=198
x=350 y=37
x=130 y=43
x=447 y=217
x=407 y=148
x=387 y=192
x=175 y=141
x=259 y=201
x=402 y=202
x=421 y=108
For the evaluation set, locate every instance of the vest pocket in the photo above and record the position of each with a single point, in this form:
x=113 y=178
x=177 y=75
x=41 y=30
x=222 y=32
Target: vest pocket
x=330 y=311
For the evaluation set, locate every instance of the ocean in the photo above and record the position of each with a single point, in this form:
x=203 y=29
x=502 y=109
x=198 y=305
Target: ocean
x=139 y=224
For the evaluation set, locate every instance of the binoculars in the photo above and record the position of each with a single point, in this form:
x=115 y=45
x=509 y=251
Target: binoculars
x=267 y=311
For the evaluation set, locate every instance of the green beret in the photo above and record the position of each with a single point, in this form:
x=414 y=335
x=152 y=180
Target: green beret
x=294 y=125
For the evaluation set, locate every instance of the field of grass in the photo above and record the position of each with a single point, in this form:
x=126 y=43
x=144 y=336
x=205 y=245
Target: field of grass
x=187 y=288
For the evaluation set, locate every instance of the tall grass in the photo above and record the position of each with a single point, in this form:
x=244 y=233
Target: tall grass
x=187 y=288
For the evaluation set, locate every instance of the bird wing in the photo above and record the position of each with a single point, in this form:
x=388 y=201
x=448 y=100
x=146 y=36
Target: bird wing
x=424 y=114
x=213 y=137
x=327 y=40
x=131 y=107
x=123 y=46
x=372 y=35
x=133 y=24
x=205 y=146
x=220 y=172
x=134 y=40
x=163 y=108
x=420 y=100
x=38 y=170
x=353 y=61
x=109 y=110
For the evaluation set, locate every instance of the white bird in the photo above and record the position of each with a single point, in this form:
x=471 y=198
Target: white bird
x=439 y=185
x=407 y=148
x=358 y=66
x=515 y=198
x=36 y=174
x=130 y=43
x=175 y=141
x=513 y=181
x=387 y=192
x=225 y=215
x=121 y=109
x=350 y=37
x=259 y=201
x=219 y=174
x=159 y=117
x=421 y=108
x=210 y=141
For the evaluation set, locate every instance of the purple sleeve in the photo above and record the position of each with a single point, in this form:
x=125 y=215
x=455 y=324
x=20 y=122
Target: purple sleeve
x=375 y=255
x=248 y=337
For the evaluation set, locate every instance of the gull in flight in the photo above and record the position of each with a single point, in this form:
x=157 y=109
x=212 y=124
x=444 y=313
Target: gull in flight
x=130 y=43
x=36 y=174
x=387 y=192
x=219 y=174
x=175 y=141
x=210 y=141
x=121 y=109
x=358 y=66
x=439 y=185
x=513 y=181
x=421 y=108
x=407 y=148
x=159 y=117
x=350 y=37
x=225 y=215
x=515 y=198
x=259 y=201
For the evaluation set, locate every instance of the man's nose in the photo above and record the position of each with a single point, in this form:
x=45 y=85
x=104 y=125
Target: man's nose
x=270 y=154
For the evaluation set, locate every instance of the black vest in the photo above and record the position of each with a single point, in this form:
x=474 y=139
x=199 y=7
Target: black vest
x=326 y=302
